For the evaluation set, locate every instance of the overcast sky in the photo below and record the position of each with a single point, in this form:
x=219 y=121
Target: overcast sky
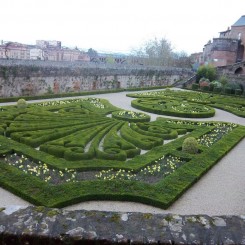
x=118 y=25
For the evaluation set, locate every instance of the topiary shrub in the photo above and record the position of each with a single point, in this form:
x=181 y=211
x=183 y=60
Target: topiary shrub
x=21 y=103
x=190 y=145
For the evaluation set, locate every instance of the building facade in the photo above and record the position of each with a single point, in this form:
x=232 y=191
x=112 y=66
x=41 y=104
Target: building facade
x=14 y=50
x=53 y=51
x=228 y=48
x=43 y=50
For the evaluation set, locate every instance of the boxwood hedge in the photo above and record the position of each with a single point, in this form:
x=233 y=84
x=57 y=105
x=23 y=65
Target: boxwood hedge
x=174 y=108
x=146 y=101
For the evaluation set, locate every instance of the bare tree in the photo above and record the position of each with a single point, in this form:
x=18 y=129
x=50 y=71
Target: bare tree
x=93 y=54
x=159 y=52
x=155 y=52
x=182 y=59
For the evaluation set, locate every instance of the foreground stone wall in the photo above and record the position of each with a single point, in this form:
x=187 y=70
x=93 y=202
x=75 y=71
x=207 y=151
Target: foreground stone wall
x=21 y=78
x=39 y=225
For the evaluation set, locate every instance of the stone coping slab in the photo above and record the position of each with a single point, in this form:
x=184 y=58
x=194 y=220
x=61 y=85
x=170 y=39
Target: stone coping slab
x=40 y=225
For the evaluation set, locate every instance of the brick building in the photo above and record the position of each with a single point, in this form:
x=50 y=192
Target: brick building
x=228 y=48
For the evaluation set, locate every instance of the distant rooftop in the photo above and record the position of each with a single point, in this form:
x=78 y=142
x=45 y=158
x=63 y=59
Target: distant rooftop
x=240 y=22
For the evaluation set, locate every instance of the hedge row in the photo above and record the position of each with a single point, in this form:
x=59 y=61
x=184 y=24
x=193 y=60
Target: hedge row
x=237 y=110
x=226 y=90
x=73 y=147
x=193 y=170
x=142 y=141
x=113 y=141
x=75 y=94
x=155 y=131
x=41 y=133
x=63 y=95
x=78 y=106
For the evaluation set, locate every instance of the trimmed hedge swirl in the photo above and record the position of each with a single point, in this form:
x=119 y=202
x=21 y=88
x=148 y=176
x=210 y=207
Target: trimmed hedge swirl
x=173 y=108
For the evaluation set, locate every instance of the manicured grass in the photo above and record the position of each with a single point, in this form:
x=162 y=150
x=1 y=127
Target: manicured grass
x=63 y=152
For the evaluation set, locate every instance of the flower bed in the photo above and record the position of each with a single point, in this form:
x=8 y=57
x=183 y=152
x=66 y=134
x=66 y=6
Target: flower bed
x=162 y=167
x=131 y=116
x=44 y=172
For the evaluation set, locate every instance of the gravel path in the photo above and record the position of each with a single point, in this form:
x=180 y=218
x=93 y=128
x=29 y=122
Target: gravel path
x=220 y=192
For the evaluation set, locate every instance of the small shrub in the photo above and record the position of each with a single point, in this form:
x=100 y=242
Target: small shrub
x=21 y=103
x=205 y=88
x=215 y=84
x=238 y=91
x=190 y=145
x=217 y=90
x=228 y=90
x=204 y=83
x=206 y=71
x=232 y=86
x=223 y=80
x=203 y=79
x=195 y=86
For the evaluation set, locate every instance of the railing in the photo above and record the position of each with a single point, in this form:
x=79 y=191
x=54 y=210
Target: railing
x=185 y=83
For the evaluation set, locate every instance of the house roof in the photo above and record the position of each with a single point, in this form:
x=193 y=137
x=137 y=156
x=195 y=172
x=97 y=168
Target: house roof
x=240 y=22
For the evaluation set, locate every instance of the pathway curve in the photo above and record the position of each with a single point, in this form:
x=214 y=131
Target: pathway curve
x=220 y=192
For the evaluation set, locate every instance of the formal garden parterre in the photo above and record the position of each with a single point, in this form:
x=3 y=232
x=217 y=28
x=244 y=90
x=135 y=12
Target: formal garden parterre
x=187 y=104
x=58 y=153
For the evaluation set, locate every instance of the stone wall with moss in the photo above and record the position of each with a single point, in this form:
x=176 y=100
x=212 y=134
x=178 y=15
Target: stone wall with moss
x=39 y=225
x=21 y=78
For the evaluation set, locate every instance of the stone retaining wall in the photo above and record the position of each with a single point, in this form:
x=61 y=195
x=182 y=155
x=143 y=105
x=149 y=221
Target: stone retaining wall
x=40 y=225
x=23 y=78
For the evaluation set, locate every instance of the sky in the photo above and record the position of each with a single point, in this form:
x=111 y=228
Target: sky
x=118 y=25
